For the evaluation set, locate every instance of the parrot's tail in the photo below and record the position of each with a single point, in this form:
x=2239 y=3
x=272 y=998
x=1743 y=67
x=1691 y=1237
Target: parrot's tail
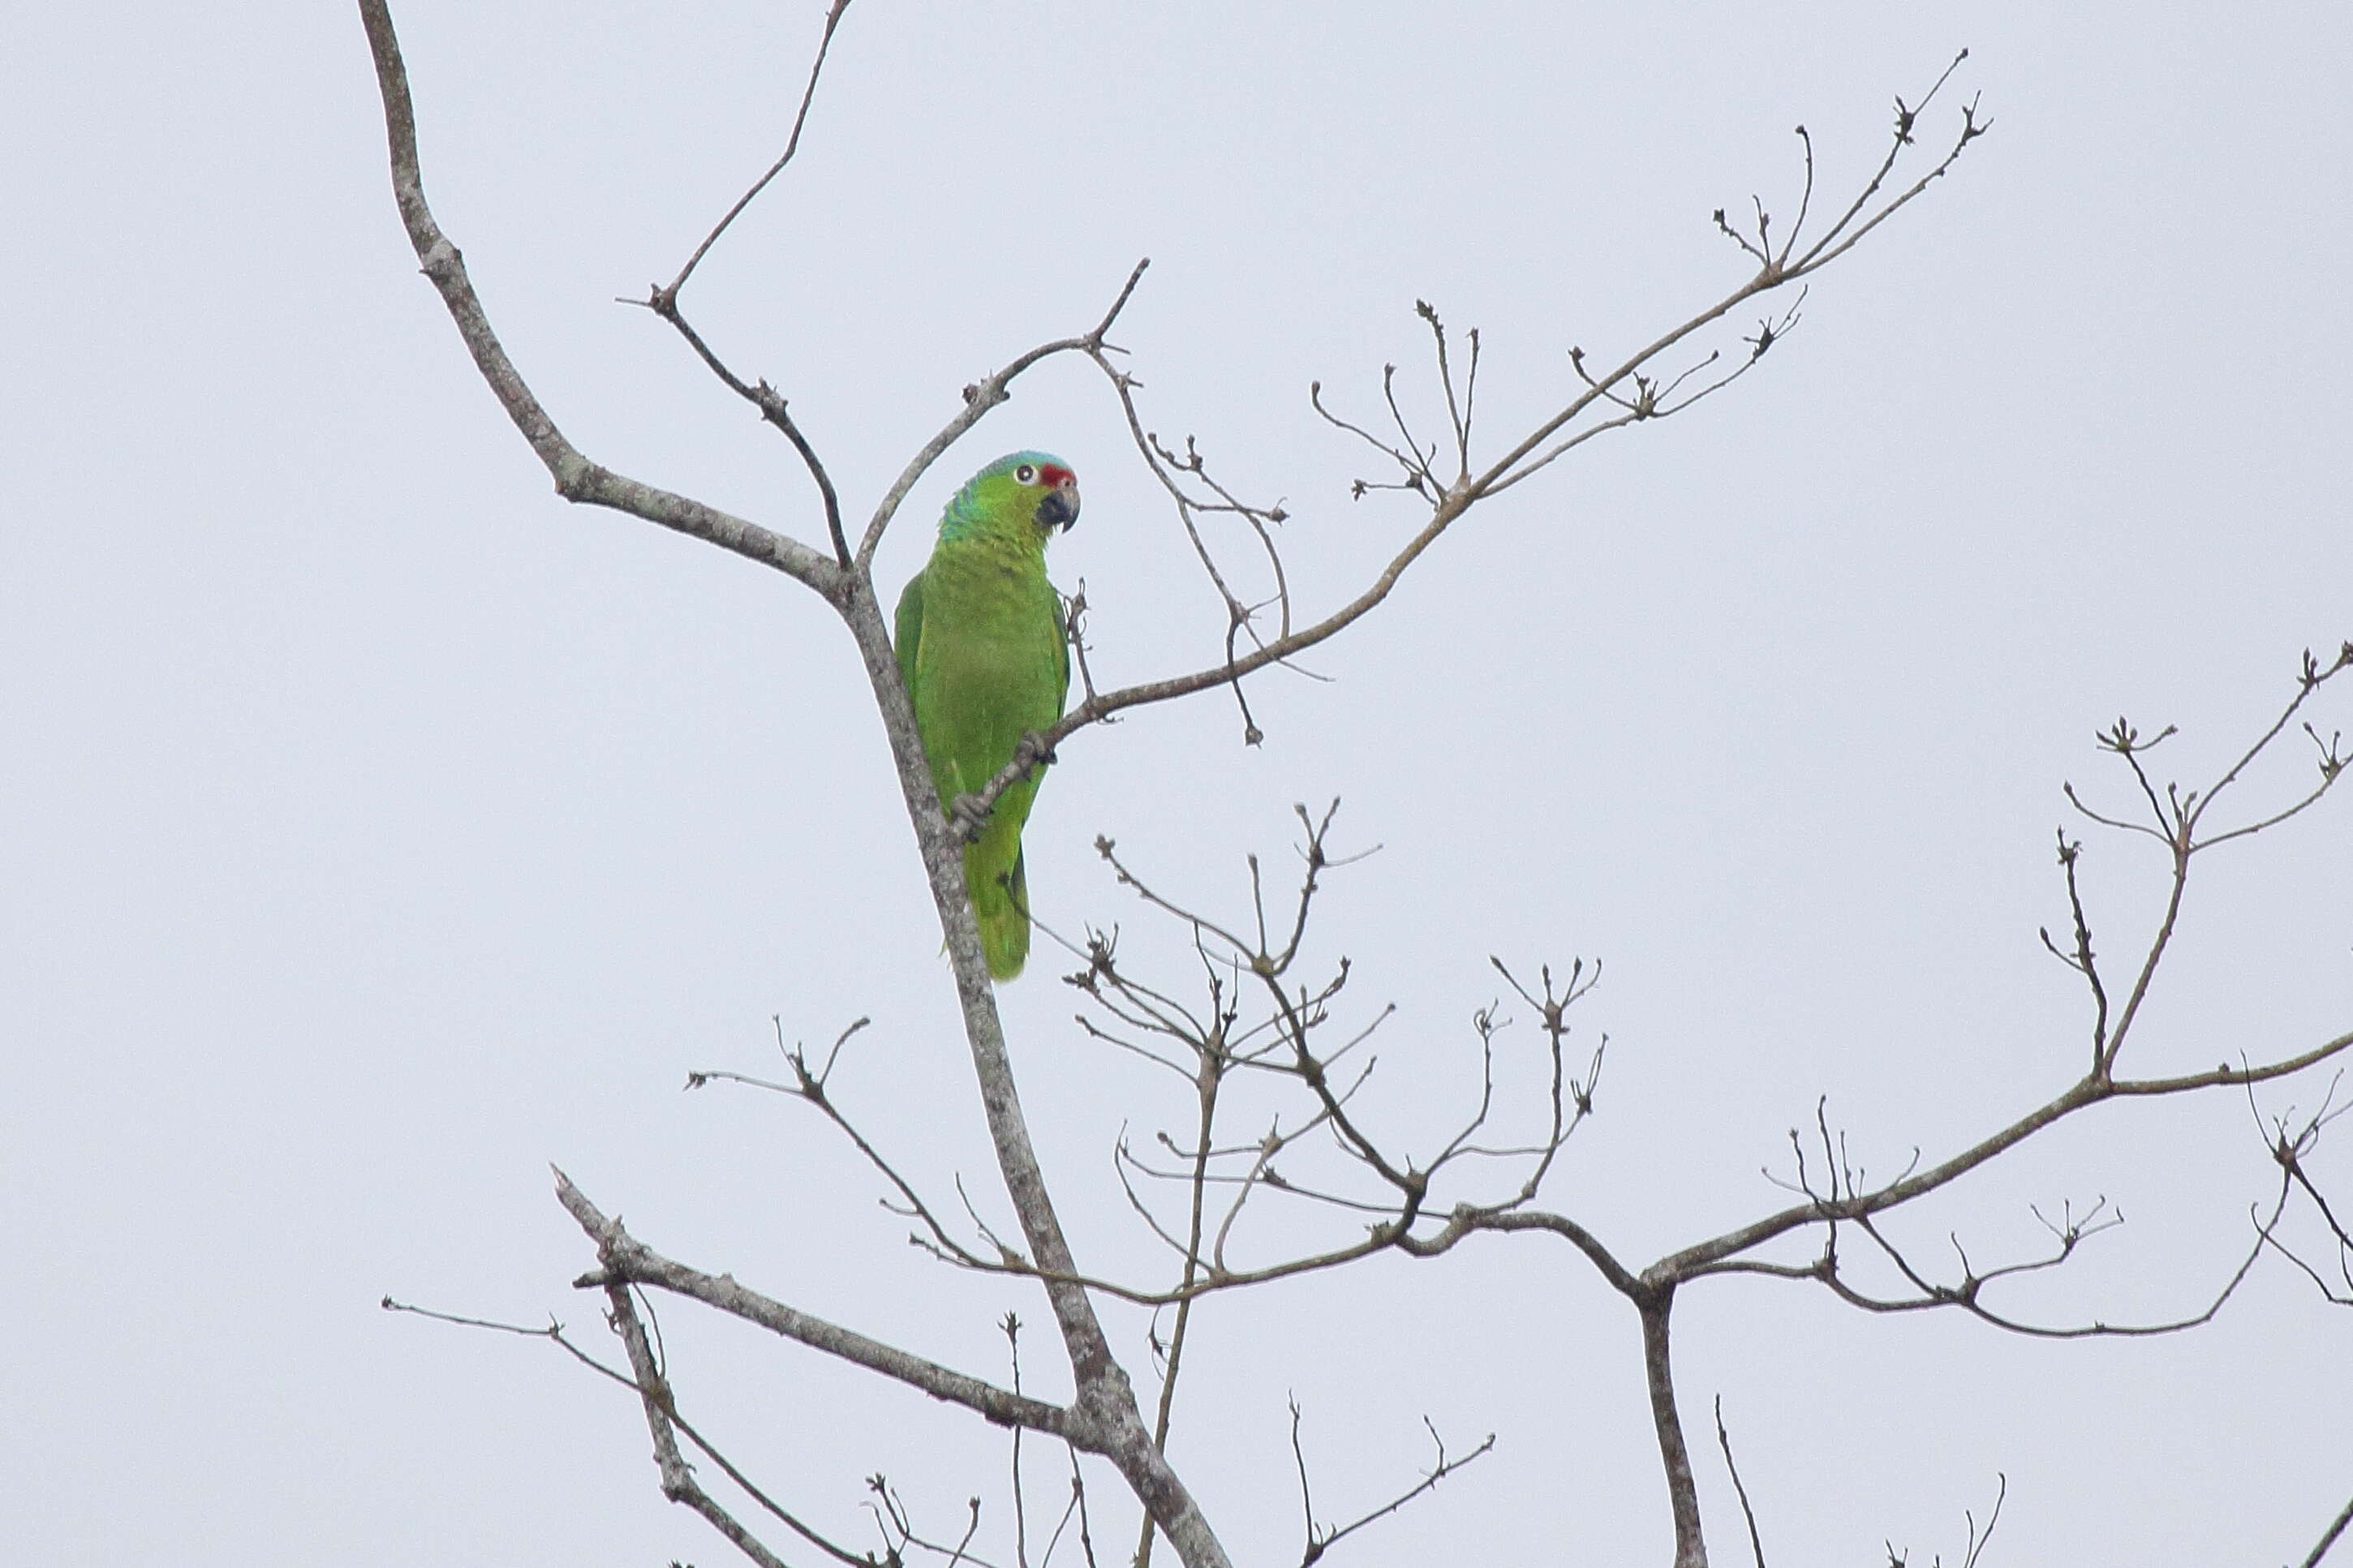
x=1003 y=911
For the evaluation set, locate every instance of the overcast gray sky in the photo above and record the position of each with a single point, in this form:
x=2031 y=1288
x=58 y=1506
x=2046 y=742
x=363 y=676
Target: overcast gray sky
x=378 y=829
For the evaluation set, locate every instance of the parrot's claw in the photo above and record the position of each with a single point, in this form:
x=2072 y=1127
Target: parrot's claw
x=966 y=816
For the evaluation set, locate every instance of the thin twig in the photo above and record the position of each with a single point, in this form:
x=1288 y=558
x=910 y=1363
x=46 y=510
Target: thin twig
x=792 y=145
x=1723 y=1441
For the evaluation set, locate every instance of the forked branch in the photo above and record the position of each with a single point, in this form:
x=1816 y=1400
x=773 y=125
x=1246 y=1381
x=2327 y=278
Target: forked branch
x=577 y=479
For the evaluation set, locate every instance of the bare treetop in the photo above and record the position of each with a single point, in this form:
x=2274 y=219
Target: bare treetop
x=1264 y=1029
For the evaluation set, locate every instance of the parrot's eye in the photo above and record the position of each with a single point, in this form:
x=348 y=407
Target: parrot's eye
x=1026 y=474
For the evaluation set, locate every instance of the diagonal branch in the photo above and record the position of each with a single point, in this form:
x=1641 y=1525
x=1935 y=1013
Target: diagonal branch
x=623 y=1260
x=2329 y=1537
x=2084 y=1092
x=773 y=408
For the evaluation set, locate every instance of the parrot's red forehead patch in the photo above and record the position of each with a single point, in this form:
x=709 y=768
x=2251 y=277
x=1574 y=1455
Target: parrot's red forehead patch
x=1055 y=475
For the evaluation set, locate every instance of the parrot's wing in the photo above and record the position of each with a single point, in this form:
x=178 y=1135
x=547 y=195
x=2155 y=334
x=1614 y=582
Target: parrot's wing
x=1062 y=655
x=907 y=632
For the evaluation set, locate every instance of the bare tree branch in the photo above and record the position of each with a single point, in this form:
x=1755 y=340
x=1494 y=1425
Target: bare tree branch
x=624 y=1261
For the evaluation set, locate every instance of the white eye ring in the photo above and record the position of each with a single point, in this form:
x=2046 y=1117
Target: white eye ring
x=1024 y=474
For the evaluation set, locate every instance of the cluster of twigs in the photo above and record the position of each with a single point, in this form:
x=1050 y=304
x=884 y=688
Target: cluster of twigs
x=1972 y=1549
x=2293 y=1141
x=1257 y=1016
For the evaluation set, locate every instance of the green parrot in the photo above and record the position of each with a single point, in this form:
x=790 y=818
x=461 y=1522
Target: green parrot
x=982 y=649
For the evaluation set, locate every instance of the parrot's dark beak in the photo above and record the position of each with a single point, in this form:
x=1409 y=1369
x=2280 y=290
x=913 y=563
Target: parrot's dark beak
x=1059 y=509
